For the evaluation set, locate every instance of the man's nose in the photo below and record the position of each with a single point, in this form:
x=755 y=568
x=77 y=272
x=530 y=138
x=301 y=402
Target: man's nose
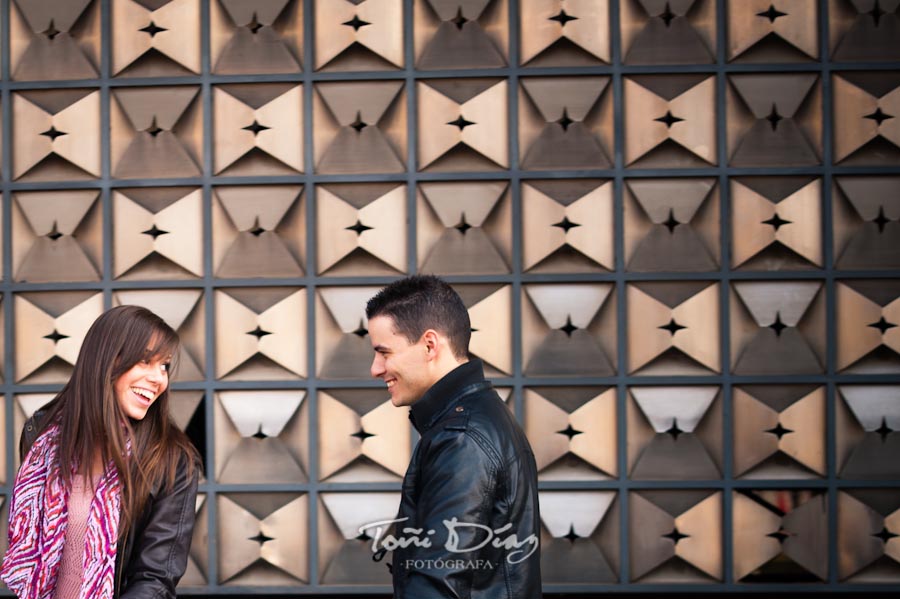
x=377 y=368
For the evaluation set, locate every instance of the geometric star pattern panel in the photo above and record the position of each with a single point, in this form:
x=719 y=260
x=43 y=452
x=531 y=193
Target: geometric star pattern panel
x=675 y=226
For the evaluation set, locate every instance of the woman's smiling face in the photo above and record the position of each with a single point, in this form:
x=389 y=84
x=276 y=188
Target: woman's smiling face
x=141 y=385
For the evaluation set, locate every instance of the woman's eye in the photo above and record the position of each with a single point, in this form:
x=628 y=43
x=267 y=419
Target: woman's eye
x=166 y=367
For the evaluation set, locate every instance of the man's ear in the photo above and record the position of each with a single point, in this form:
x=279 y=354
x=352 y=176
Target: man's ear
x=432 y=342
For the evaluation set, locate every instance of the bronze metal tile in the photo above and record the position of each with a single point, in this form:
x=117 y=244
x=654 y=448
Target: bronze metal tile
x=779 y=535
x=565 y=123
x=57 y=236
x=776 y=223
x=866 y=222
x=258 y=231
x=868 y=528
x=867 y=424
x=777 y=327
x=779 y=431
x=54 y=40
x=343 y=348
x=674 y=433
x=673 y=328
x=49 y=329
x=557 y=33
x=258 y=129
x=579 y=537
x=868 y=315
x=462 y=125
x=866 y=131
x=261 y=437
x=157 y=233
x=572 y=431
x=196 y=573
x=863 y=31
x=360 y=127
x=152 y=39
x=490 y=314
x=263 y=539
x=347 y=535
x=265 y=36
x=464 y=227
x=460 y=34
x=681 y=32
x=568 y=226
x=760 y=31
x=671 y=225
x=359 y=35
x=676 y=536
x=260 y=333
x=670 y=121
x=774 y=120
x=568 y=329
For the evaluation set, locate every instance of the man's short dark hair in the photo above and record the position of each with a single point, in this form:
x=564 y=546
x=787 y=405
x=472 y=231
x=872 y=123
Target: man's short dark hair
x=423 y=302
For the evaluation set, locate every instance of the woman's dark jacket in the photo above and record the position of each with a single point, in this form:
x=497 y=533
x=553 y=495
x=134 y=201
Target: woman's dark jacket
x=472 y=464
x=152 y=558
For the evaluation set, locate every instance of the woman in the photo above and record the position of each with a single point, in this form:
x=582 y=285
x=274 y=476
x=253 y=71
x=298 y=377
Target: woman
x=103 y=504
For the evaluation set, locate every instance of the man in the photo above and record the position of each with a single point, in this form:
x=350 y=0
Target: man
x=468 y=524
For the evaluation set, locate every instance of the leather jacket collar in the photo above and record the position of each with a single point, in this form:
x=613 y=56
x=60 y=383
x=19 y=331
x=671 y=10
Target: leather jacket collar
x=444 y=393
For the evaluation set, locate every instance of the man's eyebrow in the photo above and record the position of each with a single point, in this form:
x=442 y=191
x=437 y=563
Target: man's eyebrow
x=380 y=348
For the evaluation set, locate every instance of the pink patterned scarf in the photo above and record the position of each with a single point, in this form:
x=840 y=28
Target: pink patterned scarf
x=38 y=515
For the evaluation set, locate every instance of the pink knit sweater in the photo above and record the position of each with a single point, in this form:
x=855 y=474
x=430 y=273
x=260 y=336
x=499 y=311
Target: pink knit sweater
x=68 y=585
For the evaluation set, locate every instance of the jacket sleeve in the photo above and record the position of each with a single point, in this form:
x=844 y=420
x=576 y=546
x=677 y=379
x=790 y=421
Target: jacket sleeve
x=159 y=556
x=458 y=479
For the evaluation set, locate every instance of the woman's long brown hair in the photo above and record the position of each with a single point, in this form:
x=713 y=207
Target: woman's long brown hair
x=92 y=422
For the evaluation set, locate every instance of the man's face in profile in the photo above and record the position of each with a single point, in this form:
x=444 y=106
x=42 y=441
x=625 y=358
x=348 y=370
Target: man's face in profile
x=402 y=365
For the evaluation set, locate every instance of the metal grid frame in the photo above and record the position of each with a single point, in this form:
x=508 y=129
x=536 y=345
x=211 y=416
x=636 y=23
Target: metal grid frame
x=618 y=174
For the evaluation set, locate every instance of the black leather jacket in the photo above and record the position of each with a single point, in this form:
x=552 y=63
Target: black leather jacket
x=153 y=557
x=471 y=494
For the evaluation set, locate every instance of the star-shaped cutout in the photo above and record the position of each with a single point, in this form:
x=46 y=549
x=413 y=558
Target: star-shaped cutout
x=772 y=13
x=53 y=133
x=774 y=118
x=564 y=121
x=259 y=434
x=569 y=432
x=361 y=331
x=356 y=23
x=462 y=226
x=879 y=116
x=153 y=129
x=669 y=119
x=884 y=430
x=254 y=25
x=882 y=325
x=877 y=13
x=671 y=222
x=676 y=535
x=881 y=220
x=258 y=332
x=667 y=15
x=461 y=123
x=778 y=326
x=779 y=431
x=154 y=232
x=255 y=128
x=565 y=224
x=571 y=536
x=56 y=336
x=568 y=328
x=674 y=430
x=884 y=534
x=51 y=31
x=672 y=326
x=54 y=233
x=359 y=124
x=358 y=228
x=261 y=538
x=365 y=538
x=780 y=535
x=256 y=230
x=152 y=29
x=562 y=18
x=459 y=20
x=361 y=434
x=776 y=222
